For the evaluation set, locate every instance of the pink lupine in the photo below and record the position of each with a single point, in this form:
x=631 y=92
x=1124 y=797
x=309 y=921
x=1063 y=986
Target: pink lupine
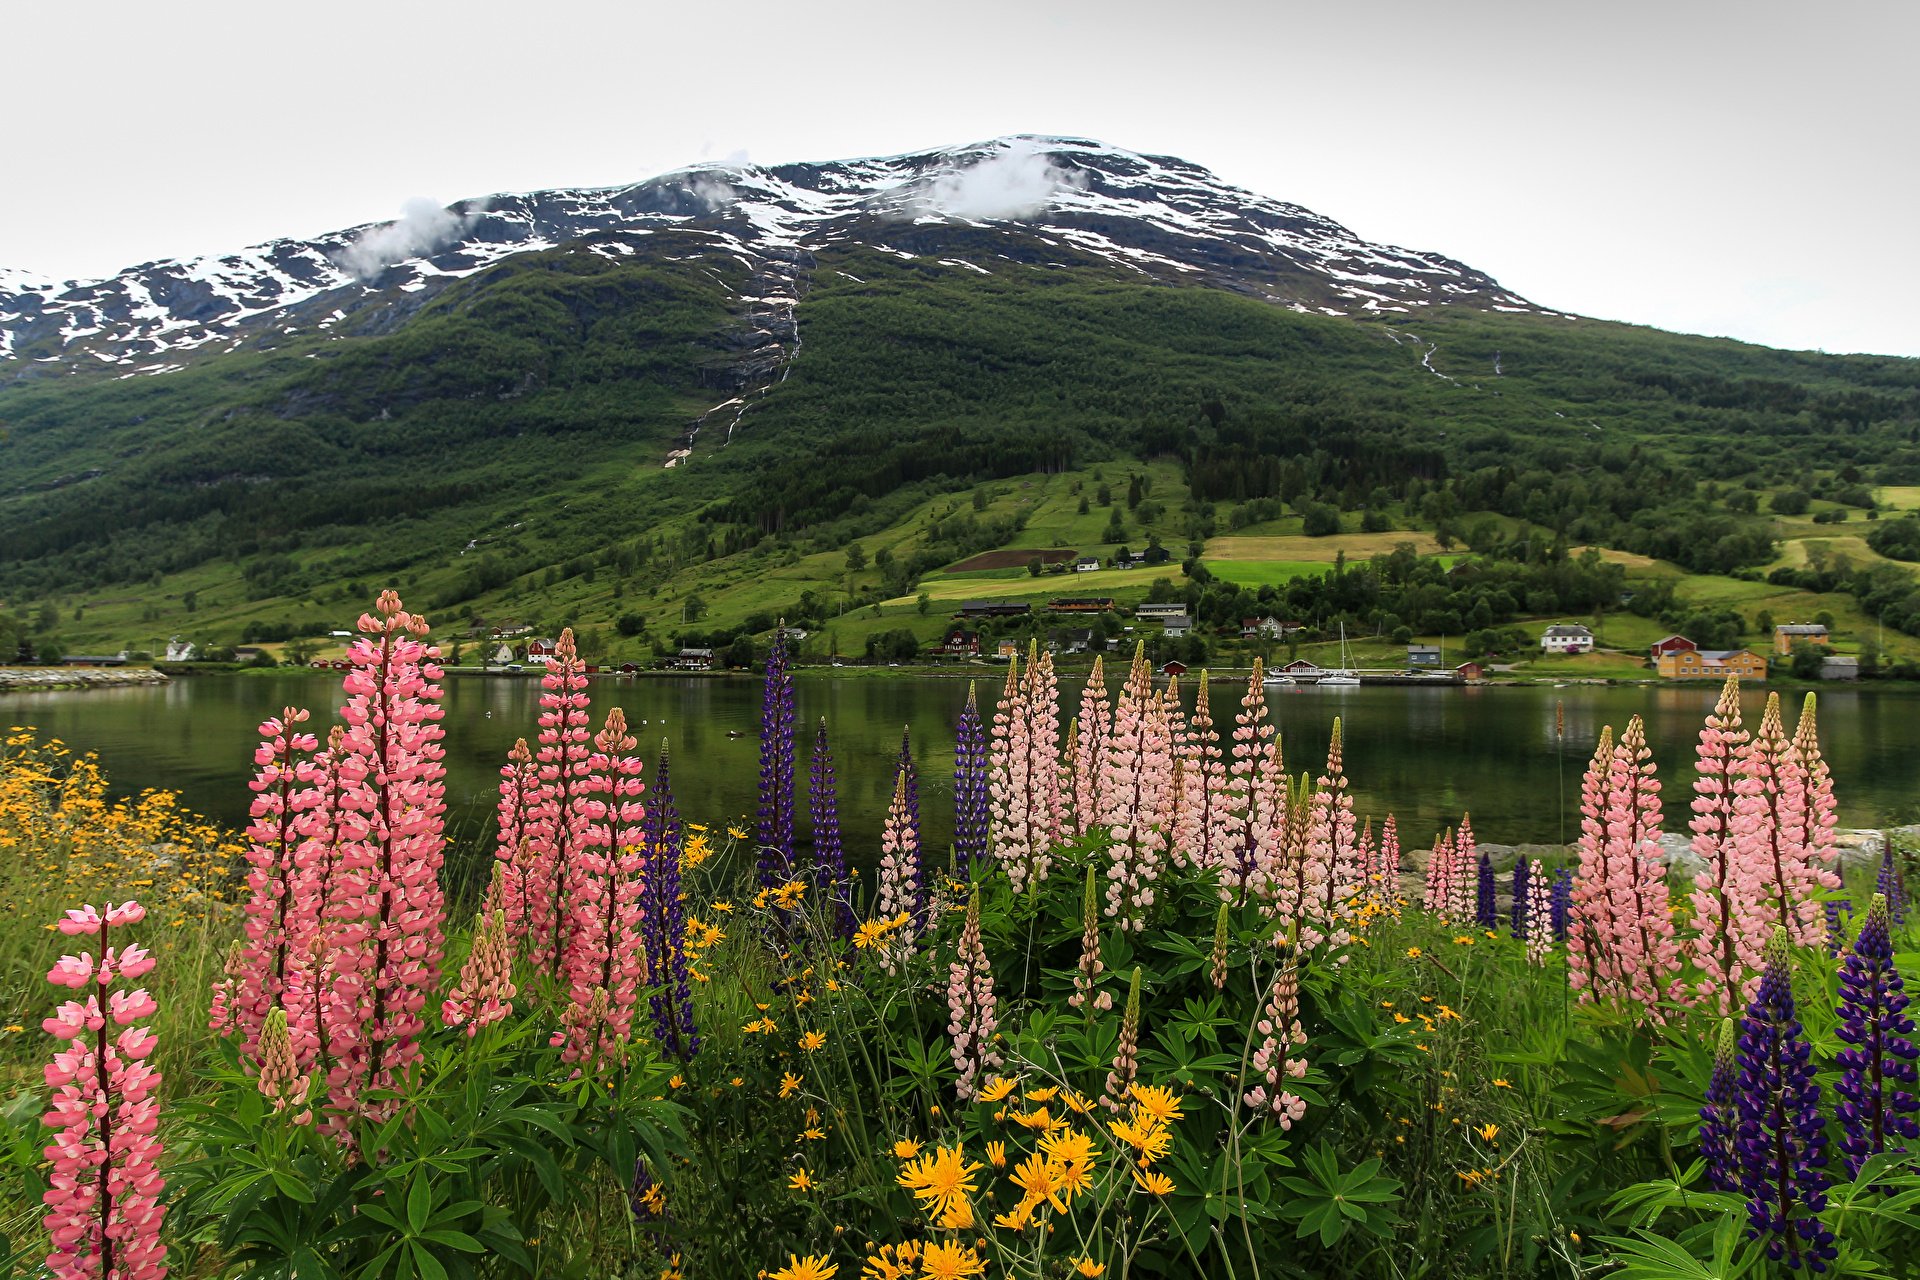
x=1139 y=773
x=1590 y=963
x=1437 y=897
x=1254 y=776
x=1539 y=915
x=103 y=1190
x=517 y=843
x=899 y=874
x=1126 y=1054
x=1023 y=779
x=1284 y=878
x=1819 y=857
x=1628 y=914
x=1386 y=864
x=387 y=957
x=484 y=994
x=1332 y=848
x=1463 y=866
x=331 y=822
x=1202 y=832
x=1043 y=740
x=1730 y=932
x=558 y=829
x=272 y=939
x=1086 y=974
x=605 y=945
x=1770 y=812
x=1086 y=763
x=971 y=1016
x=1275 y=1062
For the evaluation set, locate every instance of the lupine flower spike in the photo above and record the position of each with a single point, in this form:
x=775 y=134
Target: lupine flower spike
x=1522 y=868
x=1720 y=1117
x=1219 y=973
x=485 y=991
x=1877 y=1072
x=971 y=1013
x=665 y=925
x=388 y=961
x=606 y=958
x=1126 y=1065
x=1539 y=914
x=1275 y=1062
x=829 y=850
x=1561 y=908
x=279 y=914
x=559 y=830
x=1087 y=975
x=774 y=833
x=1486 y=902
x=1888 y=883
x=1781 y=1141
x=970 y=815
x=1731 y=929
x=103 y=1189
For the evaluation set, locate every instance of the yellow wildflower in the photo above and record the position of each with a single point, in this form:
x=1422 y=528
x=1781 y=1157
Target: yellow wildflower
x=1089 y=1268
x=1153 y=1182
x=812 y=1267
x=997 y=1153
x=1488 y=1132
x=939 y=1179
x=1161 y=1104
x=956 y=1261
x=812 y=1041
x=997 y=1089
x=906 y=1149
x=801 y=1181
x=789 y=1084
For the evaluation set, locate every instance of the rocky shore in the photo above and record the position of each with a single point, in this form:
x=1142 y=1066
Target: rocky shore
x=20 y=678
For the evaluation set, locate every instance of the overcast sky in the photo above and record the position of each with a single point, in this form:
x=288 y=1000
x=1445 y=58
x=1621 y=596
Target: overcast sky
x=1746 y=169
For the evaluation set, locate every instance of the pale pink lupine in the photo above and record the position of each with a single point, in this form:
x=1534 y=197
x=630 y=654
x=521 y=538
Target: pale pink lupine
x=1255 y=775
x=1437 y=896
x=1332 y=848
x=273 y=922
x=1463 y=883
x=1275 y=1061
x=1139 y=773
x=558 y=830
x=387 y=952
x=1731 y=932
x=1050 y=816
x=1819 y=815
x=1769 y=812
x=1590 y=963
x=1283 y=881
x=1086 y=974
x=517 y=844
x=103 y=1189
x=1629 y=912
x=1539 y=917
x=1023 y=777
x=1202 y=832
x=605 y=949
x=971 y=1015
x=1387 y=864
x=899 y=874
x=1086 y=762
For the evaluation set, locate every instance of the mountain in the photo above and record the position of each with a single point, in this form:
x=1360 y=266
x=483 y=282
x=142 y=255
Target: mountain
x=1158 y=216
x=700 y=391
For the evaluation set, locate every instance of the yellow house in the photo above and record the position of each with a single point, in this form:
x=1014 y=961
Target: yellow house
x=1788 y=634
x=1712 y=664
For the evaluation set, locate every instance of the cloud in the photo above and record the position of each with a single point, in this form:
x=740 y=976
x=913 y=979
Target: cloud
x=716 y=194
x=1017 y=183
x=424 y=227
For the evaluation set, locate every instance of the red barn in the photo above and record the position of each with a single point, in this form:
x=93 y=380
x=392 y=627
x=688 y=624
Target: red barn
x=1673 y=644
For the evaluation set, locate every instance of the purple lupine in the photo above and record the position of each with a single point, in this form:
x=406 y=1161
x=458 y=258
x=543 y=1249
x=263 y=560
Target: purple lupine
x=664 y=928
x=1486 y=911
x=1562 y=900
x=774 y=832
x=1836 y=934
x=1720 y=1117
x=1521 y=868
x=1874 y=1109
x=829 y=853
x=909 y=775
x=1888 y=883
x=1781 y=1142
x=969 y=790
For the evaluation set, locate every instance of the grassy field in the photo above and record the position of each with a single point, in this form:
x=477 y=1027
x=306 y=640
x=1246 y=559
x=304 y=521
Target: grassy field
x=1300 y=548
x=1264 y=573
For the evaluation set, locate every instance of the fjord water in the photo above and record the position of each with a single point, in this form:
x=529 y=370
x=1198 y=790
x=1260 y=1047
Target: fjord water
x=1425 y=754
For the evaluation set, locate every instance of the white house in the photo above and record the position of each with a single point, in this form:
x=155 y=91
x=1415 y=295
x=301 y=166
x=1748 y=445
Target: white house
x=179 y=650
x=1566 y=638
x=1086 y=564
x=502 y=656
x=1177 y=625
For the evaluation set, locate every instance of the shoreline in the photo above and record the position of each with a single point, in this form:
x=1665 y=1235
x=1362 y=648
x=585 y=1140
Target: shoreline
x=34 y=679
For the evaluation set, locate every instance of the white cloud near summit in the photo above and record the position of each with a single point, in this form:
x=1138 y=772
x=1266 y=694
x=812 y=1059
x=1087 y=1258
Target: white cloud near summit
x=1017 y=183
x=424 y=227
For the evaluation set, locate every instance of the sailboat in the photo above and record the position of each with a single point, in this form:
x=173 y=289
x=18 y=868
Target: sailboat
x=1344 y=674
